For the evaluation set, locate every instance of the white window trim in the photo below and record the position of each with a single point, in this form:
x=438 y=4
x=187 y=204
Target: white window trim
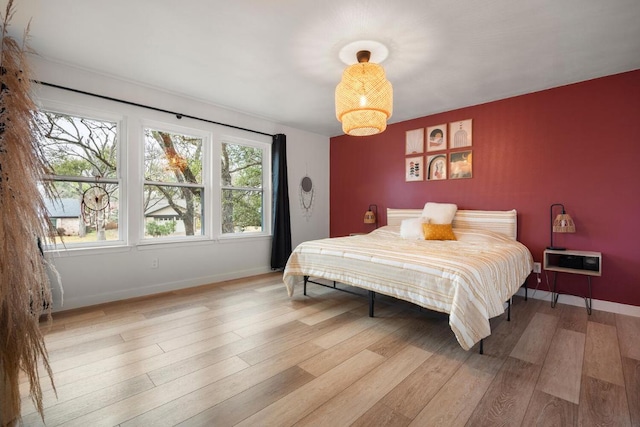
x=207 y=139
x=131 y=124
x=266 y=188
x=121 y=162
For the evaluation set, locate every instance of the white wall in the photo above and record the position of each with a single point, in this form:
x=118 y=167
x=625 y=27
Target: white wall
x=108 y=274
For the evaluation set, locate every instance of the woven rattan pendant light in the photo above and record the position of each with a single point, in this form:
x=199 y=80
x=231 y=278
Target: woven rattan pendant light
x=364 y=98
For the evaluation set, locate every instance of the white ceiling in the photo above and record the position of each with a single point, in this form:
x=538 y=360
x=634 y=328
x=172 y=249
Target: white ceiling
x=278 y=59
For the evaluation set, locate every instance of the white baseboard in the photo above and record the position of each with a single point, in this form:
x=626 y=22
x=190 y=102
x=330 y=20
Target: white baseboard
x=89 y=300
x=611 y=307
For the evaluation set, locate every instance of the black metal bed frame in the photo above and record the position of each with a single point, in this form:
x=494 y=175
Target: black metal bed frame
x=372 y=295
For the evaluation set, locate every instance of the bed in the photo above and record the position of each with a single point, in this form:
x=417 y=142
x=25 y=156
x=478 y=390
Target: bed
x=470 y=278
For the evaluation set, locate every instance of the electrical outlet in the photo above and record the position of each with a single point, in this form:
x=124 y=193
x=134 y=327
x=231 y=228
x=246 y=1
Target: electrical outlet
x=154 y=263
x=537 y=268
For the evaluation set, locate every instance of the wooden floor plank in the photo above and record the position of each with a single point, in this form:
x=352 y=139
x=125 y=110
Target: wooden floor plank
x=210 y=354
x=272 y=322
x=250 y=401
x=415 y=391
x=562 y=370
x=631 y=369
x=602 y=354
x=350 y=404
x=98 y=367
x=549 y=411
x=202 y=317
x=89 y=402
x=604 y=317
x=285 y=343
x=84 y=347
x=399 y=339
x=78 y=316
x=381 y=415
x=306 y=399
x=505 y=335
x=344 y=350
x=346 y=332
x=193 y=403
x=333 y=311
x=535 y=340
x=574 y=319
x=129 y=408
x=242 y=309
x=220 y=329
x=68 y=338
x=629 y=335
x=113 y=373
x=508 y=396
x=457 y=399
x=602 y=404
x=120 y=325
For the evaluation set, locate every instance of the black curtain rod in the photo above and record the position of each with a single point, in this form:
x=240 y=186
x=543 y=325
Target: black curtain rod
x=135 y=104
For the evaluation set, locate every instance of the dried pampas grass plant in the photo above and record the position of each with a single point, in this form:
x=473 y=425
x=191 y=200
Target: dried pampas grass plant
x=24 y=286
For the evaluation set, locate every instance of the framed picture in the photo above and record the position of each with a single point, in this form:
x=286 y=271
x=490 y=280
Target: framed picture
x=414 y=169
x=437 y=138
x=437 y=167
x=414 y=141
x=461 y=135
x=460 y=164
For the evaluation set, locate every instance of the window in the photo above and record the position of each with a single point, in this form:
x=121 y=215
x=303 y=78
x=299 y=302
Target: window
x=83 y=158
x=243 y=200
x=173 y=195
x=181 y=196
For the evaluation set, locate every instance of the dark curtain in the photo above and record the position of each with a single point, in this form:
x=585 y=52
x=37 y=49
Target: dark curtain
x=281 y=242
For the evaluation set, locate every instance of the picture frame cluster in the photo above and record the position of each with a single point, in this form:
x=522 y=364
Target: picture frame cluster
x=439 y=152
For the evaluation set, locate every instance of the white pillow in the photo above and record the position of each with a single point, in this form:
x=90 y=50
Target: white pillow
x=412 y=229
x=439 y=213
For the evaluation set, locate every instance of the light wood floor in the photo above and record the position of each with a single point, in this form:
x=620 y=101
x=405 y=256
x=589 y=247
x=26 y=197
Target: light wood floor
x=243 y=353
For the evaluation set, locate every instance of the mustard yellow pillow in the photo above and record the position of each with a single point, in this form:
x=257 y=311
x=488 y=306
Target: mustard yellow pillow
x=438 y=232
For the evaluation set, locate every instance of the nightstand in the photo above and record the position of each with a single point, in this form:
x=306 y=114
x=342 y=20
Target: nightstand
x=586 y=263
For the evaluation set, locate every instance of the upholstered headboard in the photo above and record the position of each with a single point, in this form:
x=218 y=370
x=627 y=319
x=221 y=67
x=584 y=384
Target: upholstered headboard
x=503 y=222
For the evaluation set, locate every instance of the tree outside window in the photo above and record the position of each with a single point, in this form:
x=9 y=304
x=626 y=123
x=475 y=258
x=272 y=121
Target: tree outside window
x=242 y=188
x=173 y=188
x=83 y=159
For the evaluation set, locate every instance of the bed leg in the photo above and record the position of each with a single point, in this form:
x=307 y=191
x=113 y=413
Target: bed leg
x=509 y=310
x=371 y=299
x=482 y=346
x=306 y=279
x=526 y=290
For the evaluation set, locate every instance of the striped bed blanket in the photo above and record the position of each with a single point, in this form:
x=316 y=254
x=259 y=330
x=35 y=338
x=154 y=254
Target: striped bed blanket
x=469 y=278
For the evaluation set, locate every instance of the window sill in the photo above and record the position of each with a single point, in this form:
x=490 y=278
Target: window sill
x=61 y=251
x=148 y=244
x=236 y=238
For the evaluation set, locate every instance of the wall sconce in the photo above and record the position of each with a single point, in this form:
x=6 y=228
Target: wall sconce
x=371 y=216
x=562 y=224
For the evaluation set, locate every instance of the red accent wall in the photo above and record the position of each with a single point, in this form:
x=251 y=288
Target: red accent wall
x=576 y=144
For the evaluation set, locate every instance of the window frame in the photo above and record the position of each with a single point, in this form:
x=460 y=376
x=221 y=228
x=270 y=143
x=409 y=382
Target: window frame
x=265 y=147
x=121 y=138
x=130 y=176
x=205 y=185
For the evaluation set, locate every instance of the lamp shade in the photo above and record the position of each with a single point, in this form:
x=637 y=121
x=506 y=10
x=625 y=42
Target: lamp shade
x=364 y=98
x=564 y=224
x=369 y=217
